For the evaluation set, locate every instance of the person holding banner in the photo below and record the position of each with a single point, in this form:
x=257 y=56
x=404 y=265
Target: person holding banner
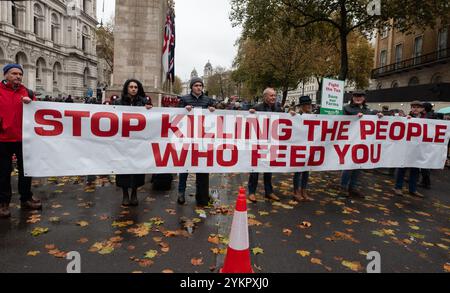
x=196 y=99
x=269 y=105
x=13 y=94
x=357 y=106
x=132 y=95
x=301 y=178
x=417 y=111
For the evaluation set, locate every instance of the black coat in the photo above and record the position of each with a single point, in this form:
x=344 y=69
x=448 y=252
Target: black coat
x=353 y=109
x=264 y=107
x=132 y=180
x=139 y=102
x=201 y=102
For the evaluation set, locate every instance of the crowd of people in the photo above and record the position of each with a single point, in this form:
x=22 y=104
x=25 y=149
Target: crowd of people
x=13 y=93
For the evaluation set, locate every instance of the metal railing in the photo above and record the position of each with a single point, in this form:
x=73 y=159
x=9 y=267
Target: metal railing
x=434 y=57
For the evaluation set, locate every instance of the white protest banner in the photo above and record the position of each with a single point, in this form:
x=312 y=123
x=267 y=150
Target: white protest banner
x=332 y=97
x=80 y=139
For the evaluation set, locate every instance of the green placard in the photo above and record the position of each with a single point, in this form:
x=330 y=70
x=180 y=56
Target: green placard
x=332 y=97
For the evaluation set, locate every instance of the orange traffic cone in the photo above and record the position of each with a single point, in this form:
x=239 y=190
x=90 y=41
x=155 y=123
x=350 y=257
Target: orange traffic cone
x=237 y=259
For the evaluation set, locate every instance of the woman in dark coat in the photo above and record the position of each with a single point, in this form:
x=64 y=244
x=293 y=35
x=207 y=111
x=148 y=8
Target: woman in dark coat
x=132 y=95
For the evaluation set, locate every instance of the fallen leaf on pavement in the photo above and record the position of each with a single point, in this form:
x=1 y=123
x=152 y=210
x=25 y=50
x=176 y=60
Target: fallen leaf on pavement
x=38 y=231
x=316 y=261
x=303 y=253
x=257 y=250
x=197 y=261
x=150 y=254
x=145 y=263
x=122 y=224
x=33 y=253
x=167 y=271
x=353 y=265
x=214 y=239
x=287 y=232
x=304 y=225
x=82 y=223
x=253 y=222
x=447 y=267
x=54 y=219
x=34 y=219
x=82 y=240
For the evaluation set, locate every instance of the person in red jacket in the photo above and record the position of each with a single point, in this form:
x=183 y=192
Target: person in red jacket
x=13 y=94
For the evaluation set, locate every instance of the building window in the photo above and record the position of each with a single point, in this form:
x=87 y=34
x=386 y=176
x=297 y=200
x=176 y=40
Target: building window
x=417 y=49
x=84 y=40
x=398 y=55
x=442 y=42
x=14 y=15
x=55 y=26
x=413 y=81
x=38 y=20
x=86 y=77
x=384 y=32
x=383 y=59
x=40 y=64
x=56 y=73
x=85 y=6
x=394 y=84
x=36 y=25
x=437 y=78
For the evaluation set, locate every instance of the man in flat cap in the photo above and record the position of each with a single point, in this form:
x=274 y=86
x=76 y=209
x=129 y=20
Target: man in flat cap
x=13 y=94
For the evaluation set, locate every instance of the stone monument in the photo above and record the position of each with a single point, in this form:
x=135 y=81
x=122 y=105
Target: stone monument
x=138 y=41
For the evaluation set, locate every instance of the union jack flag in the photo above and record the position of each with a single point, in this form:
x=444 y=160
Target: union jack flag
x=168 y=56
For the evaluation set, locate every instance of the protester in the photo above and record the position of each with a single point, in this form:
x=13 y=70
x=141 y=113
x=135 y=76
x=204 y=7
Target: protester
x=196 y=99
x=301 y=178
x=357 y=106
x=132 y=95
x=13 y=94
x=69 y=99
x=269 y=104
x=417 y=111
x=426 y=173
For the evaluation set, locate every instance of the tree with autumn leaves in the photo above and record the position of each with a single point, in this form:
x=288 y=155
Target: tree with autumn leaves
x=336 y=28
x=284 y=60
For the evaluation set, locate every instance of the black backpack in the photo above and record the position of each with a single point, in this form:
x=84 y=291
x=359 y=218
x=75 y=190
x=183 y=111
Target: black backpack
x=30 y=93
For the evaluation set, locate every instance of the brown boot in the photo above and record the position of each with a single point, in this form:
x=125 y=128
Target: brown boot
x=4 y=211
x=305 y=195
x=297 y=196
x=252 y=197
x=355 y=193
x=273 y=197
x=30 y=205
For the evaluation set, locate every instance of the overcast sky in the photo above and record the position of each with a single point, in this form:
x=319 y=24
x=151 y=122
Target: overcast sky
x=203 y=32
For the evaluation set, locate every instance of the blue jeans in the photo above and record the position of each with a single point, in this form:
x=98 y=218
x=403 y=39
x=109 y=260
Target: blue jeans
x=300 y=180
x=349 y=178
x=253 y=183
x=413 y=176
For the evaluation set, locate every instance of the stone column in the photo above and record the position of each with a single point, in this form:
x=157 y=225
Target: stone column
x=4 y=11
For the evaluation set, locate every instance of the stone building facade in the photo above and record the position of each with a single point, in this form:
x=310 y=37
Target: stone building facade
x=414 y=66
x=55 y=42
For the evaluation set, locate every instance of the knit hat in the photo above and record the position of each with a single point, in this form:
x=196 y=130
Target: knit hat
x=195 y=80
x=8 y=67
